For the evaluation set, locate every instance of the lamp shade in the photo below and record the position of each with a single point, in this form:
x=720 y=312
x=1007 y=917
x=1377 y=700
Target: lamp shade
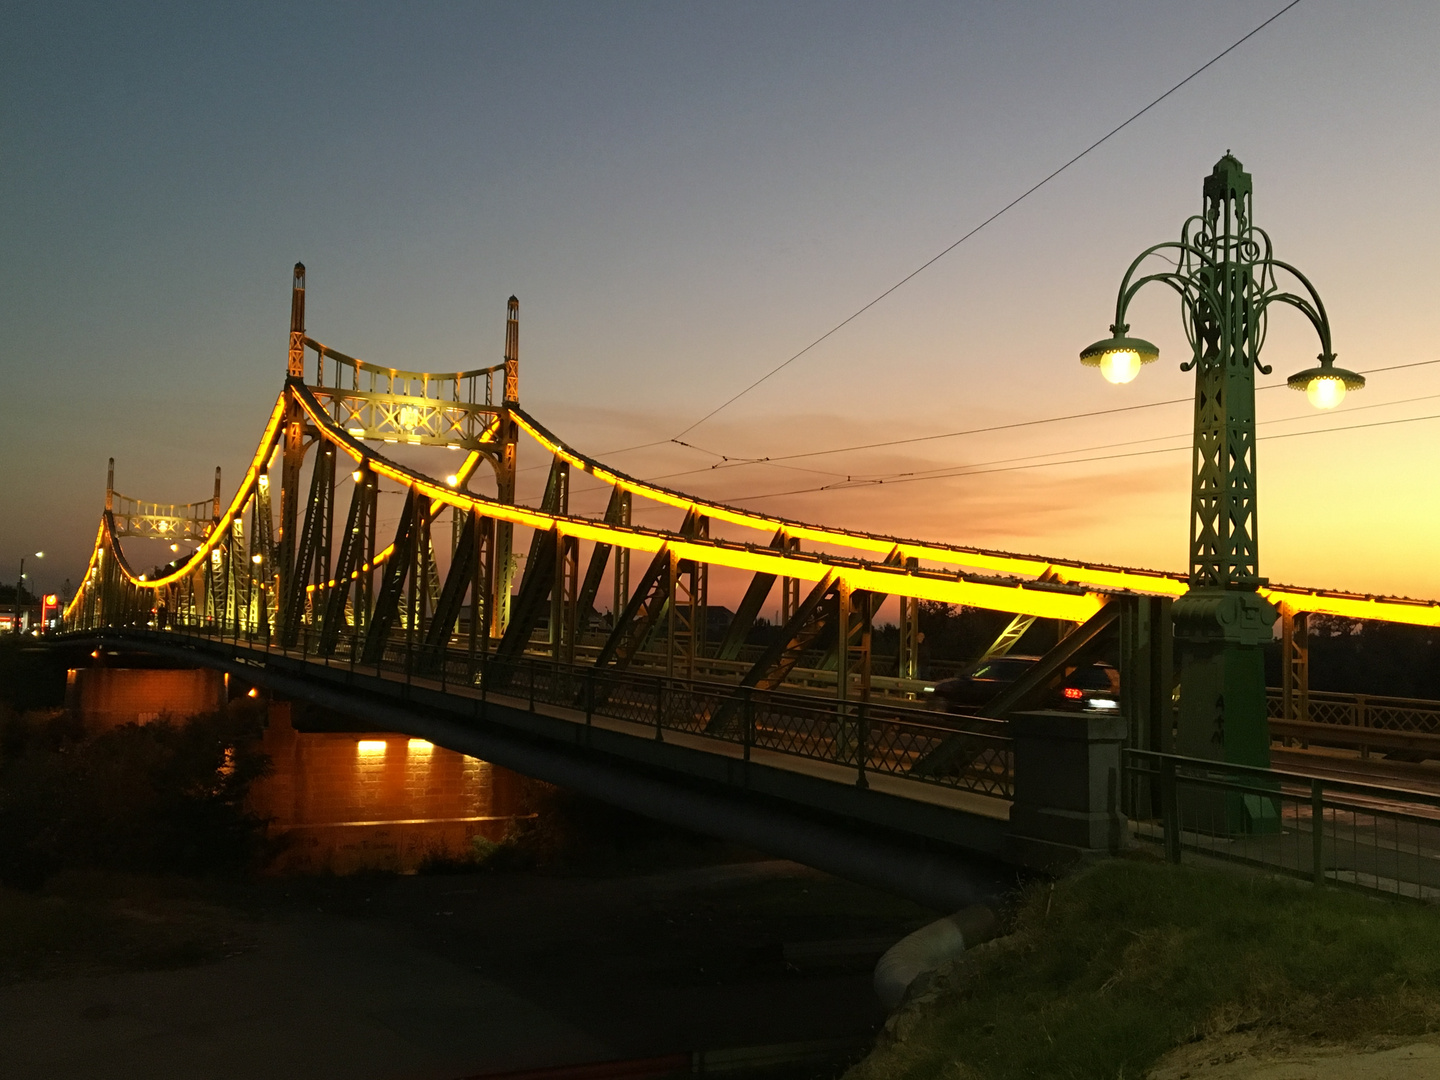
x=1326 y=385
x=1119 y=358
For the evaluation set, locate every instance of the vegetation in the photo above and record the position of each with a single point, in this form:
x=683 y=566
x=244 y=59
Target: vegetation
x=159 y=797
x=1106 y=972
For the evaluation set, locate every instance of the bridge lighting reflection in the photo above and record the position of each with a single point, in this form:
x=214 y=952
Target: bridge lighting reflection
x=358 y=475
x=174 y=547
x=371 y=746
x=419 y=746
x=356 y=431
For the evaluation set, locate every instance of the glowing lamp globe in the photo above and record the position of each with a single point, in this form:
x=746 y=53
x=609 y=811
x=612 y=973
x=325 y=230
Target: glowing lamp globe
x=1325 y=386
x=1119 y=358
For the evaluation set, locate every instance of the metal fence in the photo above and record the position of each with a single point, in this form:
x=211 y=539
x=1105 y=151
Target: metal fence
x=1364 y=722
x=869 y=737
x=1329 y=831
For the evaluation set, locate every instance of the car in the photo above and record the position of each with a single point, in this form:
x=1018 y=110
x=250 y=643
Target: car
x=1094 y=687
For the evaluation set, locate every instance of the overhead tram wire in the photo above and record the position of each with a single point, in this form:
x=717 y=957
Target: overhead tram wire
x=853 y=481
x=963 y=471
x=993 y=217
x=775 y=459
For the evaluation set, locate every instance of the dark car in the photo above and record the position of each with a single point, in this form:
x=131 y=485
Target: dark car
x=1092 y=688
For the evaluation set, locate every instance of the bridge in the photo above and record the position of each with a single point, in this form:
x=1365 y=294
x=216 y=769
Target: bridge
x=809 y=745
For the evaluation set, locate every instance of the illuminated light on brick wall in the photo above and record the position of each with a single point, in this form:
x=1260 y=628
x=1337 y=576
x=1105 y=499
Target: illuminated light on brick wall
x=108 y=697
x=383 y=801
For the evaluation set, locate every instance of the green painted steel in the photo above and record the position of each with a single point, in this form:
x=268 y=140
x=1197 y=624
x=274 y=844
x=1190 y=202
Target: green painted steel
x=1225 y=273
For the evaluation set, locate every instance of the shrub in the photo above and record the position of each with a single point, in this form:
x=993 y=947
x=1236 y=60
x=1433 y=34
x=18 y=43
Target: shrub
x=166 y=796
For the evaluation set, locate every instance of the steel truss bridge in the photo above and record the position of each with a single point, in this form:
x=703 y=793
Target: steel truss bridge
x=320 y=601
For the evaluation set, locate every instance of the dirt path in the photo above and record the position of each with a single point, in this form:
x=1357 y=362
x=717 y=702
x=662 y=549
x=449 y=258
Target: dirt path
x=441 y=977
x=1241 y=1058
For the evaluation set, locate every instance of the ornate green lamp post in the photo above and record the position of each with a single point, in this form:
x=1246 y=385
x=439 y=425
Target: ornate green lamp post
x=1224 y=272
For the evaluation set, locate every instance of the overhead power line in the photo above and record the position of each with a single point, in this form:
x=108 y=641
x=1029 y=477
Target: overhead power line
x=972 y=471
x=736 y=461
x=997 y=214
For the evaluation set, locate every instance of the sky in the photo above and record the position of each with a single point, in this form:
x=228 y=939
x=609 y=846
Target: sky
x=684 y=195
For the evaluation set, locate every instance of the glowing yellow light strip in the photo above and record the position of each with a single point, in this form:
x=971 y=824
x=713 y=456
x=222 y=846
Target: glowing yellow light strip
x=220 y=530
x=999 y=562
x=1349 y=606
x=896 y=581
x=89 y=567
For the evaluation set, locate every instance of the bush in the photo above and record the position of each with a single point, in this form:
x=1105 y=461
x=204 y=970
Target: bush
x=166 y=796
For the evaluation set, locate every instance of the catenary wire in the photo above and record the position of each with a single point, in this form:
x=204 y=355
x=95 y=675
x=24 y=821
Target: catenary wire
x=997 y=214
x=962 y=471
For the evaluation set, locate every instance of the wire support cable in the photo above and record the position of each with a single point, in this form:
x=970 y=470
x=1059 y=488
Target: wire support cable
x=993 y=217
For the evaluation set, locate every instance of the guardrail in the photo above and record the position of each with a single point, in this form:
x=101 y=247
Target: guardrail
x=1328 y=831
x=1363 y=722
x=870 y=737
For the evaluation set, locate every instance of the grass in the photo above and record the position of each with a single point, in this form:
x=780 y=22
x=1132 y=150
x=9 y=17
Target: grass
x=1107 y=971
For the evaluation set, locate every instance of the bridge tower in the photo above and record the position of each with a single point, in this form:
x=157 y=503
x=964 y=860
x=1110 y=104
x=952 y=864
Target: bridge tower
x=505 y=475
x=290 y=577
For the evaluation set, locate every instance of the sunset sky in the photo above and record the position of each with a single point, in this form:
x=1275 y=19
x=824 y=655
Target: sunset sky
x=685 y=195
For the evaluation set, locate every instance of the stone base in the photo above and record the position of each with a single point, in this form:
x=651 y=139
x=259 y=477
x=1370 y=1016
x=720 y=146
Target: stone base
x=1067 y=789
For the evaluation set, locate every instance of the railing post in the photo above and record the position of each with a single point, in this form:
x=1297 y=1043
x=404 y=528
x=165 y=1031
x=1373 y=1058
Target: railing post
x=1170 y=810
x=863 y=748
x=1317 y=831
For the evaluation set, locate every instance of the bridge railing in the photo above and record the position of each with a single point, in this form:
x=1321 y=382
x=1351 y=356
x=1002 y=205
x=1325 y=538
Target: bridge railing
x=1327 y=830
x=1359 y=721
x=868 y=738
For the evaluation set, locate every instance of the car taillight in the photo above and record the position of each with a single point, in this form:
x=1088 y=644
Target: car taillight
x=1074 y=693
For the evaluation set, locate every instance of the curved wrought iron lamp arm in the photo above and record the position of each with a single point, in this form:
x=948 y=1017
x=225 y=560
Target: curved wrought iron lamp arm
x=1312 y=307
x=1181 y=282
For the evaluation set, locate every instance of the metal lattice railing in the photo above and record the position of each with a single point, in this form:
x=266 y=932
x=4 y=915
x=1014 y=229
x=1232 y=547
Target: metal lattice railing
x=1329 y=831
x=865 y=737
x=1414 y=715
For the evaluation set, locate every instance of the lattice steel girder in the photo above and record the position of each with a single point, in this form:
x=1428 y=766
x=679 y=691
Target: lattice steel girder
x=1009 y=637
x=748 y=610
x=352 y=548
x=1294 y=664
x=457 y=580
x=563 y=589
x=616 y=513
x=539 y=576
x=397 y=570
x=310 y=562
x=414 y=421
x=640 y=615
x=1075 y=649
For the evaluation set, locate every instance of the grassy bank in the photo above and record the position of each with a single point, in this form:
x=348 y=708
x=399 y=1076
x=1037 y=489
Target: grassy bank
x=1107 y=971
